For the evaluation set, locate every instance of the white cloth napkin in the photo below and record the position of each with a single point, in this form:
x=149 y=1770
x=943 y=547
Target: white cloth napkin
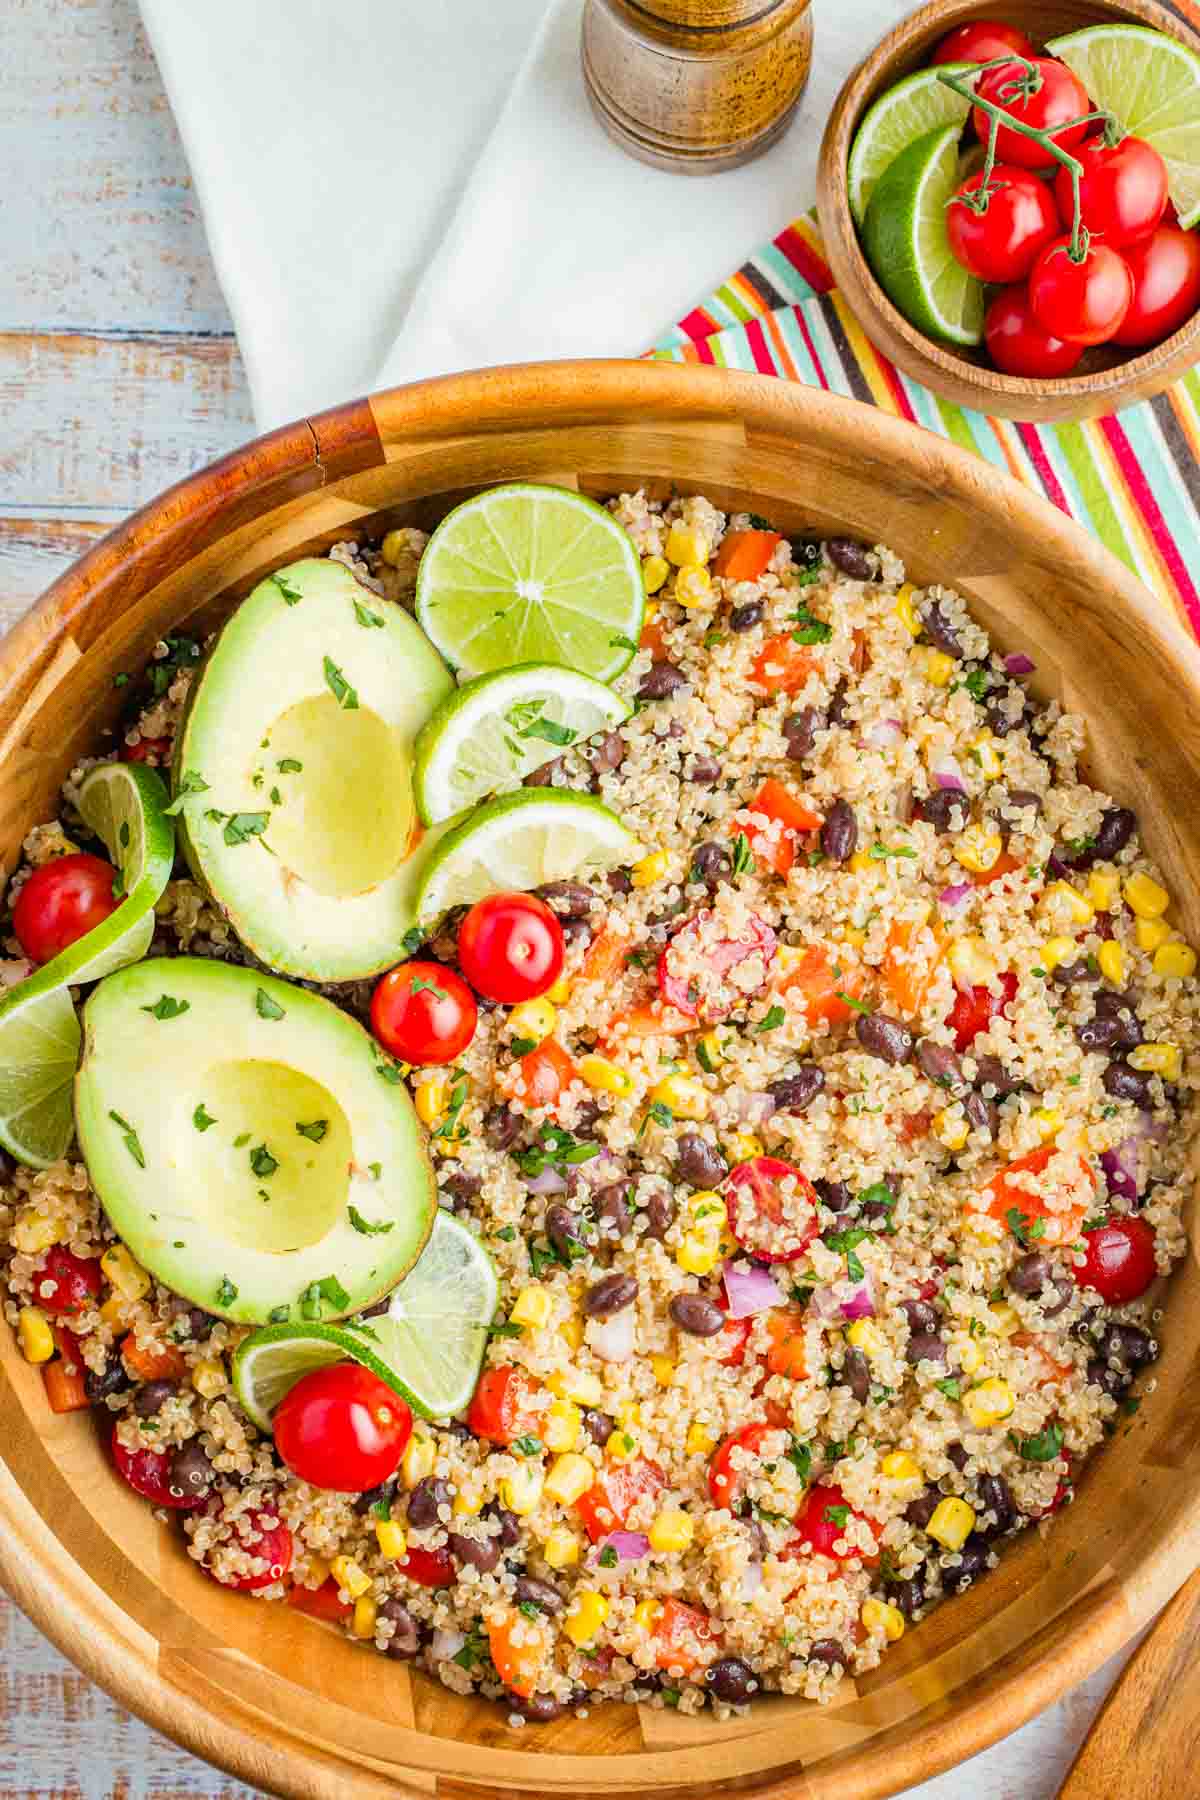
x=395 y=189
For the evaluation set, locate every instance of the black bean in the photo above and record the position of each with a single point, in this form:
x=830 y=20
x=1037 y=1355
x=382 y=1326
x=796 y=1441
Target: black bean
x=482 y=1553
x=1030 y=1275
x=598 y=1425
x=502 y=1127
x=1110 y=1381
x=1120 y=1082
x=698 y=1162
x=995 y=1496
x=981 y=1114
x=851 y=558
x=569 y=899
x=530 y=1591
x=925 y=1346
x=731 y=1680
x=662 y=680
x=114 y=1378
x=607 y=752
x=1098 y=1033
x=835 y=713
x=405 y=1640
x=922 y=1315
x=672 y=729
x=576 y=931
x=829 y=1652
x=565 y=1230
x=972 y=1563
x=795 y=1092
x=619 y=881
x=1128 y=1344
x=1117 y=826
x=543 y=775
x=659 y=1213
x=1075 y=974
x=191 y=1324
x=909 y=1594
x=990 y=1072
x=612 y=1209
x=800 y=732
x=426 y=1500
x=1000 y=719
x=857 y=1372
x=839 y=833
x=918 y=1512
x=939 y=630
x=611 y=1294
x=836 y=1195
x=510 y=1526
x=884 y=1037
x=150 y=1398
x=939 y=1064
x=586 y=1114
x=712 y=864
x=538 y=1709
x=1024 y=799
x=696 y=1315
x=190 y=1472
x=946 y=809
x=745 y=618
x=1110 y=1003
x=383 y=1495
x=705 y=771
x=460 y=1187
x=957 y=1455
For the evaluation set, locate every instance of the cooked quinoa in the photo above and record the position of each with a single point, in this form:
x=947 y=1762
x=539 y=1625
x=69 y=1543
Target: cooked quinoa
x=938 y=957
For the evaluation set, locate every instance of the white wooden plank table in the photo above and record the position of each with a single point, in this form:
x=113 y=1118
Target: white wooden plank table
x=118 y=375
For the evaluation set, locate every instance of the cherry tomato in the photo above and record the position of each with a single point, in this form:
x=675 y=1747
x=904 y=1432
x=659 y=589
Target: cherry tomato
x=423 y=1013
x=703 y=994
x=983 y=40
x=503 y=1405
x=77 y=1282
x=432 y=1568
x=974 y=1009
x=267 y=1537
x=324 y=1602
x=1119 y=1260
x=1084 y=302
x=1046 y=99
x=1017 y=343
x=1166 y=286
x=510 y=947
x=158 y=749
x=618 y=1487
x=999 y=237
x=342 y=1428
x=62 y=901
x=771 y=1225
x=148 y=1473
x=1122 y=191
x=727 y=1478
x=821 y=1524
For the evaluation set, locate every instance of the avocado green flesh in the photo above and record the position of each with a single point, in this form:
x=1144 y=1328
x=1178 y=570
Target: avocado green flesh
x=301 y=726
x=199 y=1204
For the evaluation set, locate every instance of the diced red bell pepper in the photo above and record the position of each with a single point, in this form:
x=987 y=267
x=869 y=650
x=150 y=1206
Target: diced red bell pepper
x=503 y=1407
x=778 y=848
x=974 y=1009
x=783 y=666
x=745 y=555
x=786 y=1355
x=323 y=1602
x=145 y=748
x=431 y=1568
x=685 y=1639
x=615 y=1492
x=728 y=1346
x=725 y=1479
x=1007 y=1195
x=545 y=1071
x=64 y=1378
x=821 y=1524
x=813 y=977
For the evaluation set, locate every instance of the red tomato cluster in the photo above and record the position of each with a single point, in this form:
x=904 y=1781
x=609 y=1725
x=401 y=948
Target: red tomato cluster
x=1129 y=276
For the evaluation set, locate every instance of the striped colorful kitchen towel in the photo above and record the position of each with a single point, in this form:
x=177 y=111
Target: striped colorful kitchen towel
x=1132 y=478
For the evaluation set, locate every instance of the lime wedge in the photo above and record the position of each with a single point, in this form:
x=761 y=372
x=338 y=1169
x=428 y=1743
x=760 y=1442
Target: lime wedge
x=907 y=111
x=907 y=246
x=497 y=728
x=124 y=804
x=1152 y=84
x=520 y=841
x=531 y=574
x=428 y=1345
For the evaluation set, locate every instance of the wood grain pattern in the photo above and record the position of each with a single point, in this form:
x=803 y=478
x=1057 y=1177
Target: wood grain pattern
x=1108 y=378
x=266 y=1693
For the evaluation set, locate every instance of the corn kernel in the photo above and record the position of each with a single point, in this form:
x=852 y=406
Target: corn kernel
x=698 y=1254
x=364 y=1617
x=1003 y=1319
x=693 y=587
x=318 y=1571
x=881 y=1615
x=988 y=1403
x=468 y=1499
x=655 y=570
x=115 y=1312
x=1111 y=958
x=569 y=1477
x=348 y=1575
x=645 y=1614
x=934 y=665
x=37 y=1339
x=710 y=1051
x=561 y=1425
x=977 y=849
x=981 y=1225
x=1104 y=889
x=431 y=1100
x=971 y=963
x=1156 y=1059
x=561 y=1548
x=650 y=869
x=686 y=547
x=586 y=1614
x=532 y=1306
x=420 y=1454
x=571 y=1333
x=951 y=1127
x=209 y=1378
x=521 y=1491
x=671 y=1530
x=622 y=1445
x=33 y=1232
x=952 y=1522
x=861 y=864
x=128 y=1277
x=905 y=611
x=534 y=1019
x=664 y=1370
x=1058 y=950
x=1049 y=1121
x=395 y=548
x=1078 y=907
x=686 y=1098
x=1151 y=934
x=865 y=1335
x=904 y=1472
x=968 y=1355
x=743 y=1146
x=605 y=1077
x=1176 y=961
x=579 y=1385
x=699 y=1441
x=560 y=993
x=1145 y=897
x=984 y=747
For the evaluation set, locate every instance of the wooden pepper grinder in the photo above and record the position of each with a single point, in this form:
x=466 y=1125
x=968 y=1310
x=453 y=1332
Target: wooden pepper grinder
x=695 y=85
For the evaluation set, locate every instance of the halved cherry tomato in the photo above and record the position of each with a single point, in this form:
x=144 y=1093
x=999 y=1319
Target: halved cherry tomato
x=148 y=1473
x=997 y=232
x=1006 y=1194
x=342 y=1428
x=1018 y=344
x=822 y=990
x=543 y=1072
x=430 y=1568
x=980 y=41
x=1084 y=300
x=778 y=804
x=783 y=666
x=1166 y=286
x=974 y=1009
x=728 y=1346
x=1048 y=98
x=725 y=1478
x=1118 y=1260
x=787 y=1356
x=67 y=1283
x=684 y=1638
x=1122 y=190
x=423 y=1012
x=64 y=1378
x=519 y=1648
x=615 y=1492
x=744 y=555
x=61 y=902
x=147 y=750
x=504 y=1405
x=323 y=1602
x=821 y=1524
x=271 y=1539
x=510 y=947
x=699 y=998
x=769 y=1225
x=152 y=1362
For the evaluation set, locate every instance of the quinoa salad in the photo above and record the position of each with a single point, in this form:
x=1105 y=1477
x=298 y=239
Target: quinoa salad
x=820 y=1167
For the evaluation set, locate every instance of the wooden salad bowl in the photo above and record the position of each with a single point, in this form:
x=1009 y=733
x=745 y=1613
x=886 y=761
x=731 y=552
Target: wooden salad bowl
x=1108 y=377
x=295 y=1708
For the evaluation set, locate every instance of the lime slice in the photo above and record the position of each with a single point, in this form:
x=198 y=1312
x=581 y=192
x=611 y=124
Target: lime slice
x=907 y=246
x=124 y=804
x=497 y=728
x=520 y=841
x=911 y=109
x=1152 y=84
x=531 y=574
x=428 y=1345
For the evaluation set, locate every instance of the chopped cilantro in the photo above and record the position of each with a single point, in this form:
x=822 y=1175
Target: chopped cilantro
x=743 y=861
x=130 y=1139
x=314 y=1131
x=810 y=629
x=201 y=1119
x=241 y=827
x=607 y=1557
x=528 y=1445
x=265 y=1007
x=951 y=1387
x=262 y=1162
x=857 y=1005
x=226 y=1292
x=366 y=617
x=167 y=1007
x=1023 y=1229
x=291 y=594
x=339 y=687
x=881 y=852
x=800 y=1457
x=774 y=1018
x=190 y=783
x=1044 y=1446
x=287 y=765
x=549 y=732
x=412 y=940
x=365 y=1226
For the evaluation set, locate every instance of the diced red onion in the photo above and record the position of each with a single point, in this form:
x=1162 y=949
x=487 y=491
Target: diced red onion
x=548 y=1182
x=613 y=1339
x=598 y=1171
x=752 y=1108
x=954 y=896
x=752 y=1580
x=884 y=734
x=948 y=774
x=630 y=1546
x=1019 y=664
x=823 y=1301
x=446 y=1645
x=1120 y=1165
x=750 y=1289
x=858 y=1302
x=1158 y=1130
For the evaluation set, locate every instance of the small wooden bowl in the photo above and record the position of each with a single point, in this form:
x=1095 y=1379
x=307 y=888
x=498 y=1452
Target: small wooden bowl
x=1108 y=377
x=279 y=1700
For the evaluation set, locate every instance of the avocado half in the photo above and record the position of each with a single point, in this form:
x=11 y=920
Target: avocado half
x=249 y=1141
x=294 y=769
